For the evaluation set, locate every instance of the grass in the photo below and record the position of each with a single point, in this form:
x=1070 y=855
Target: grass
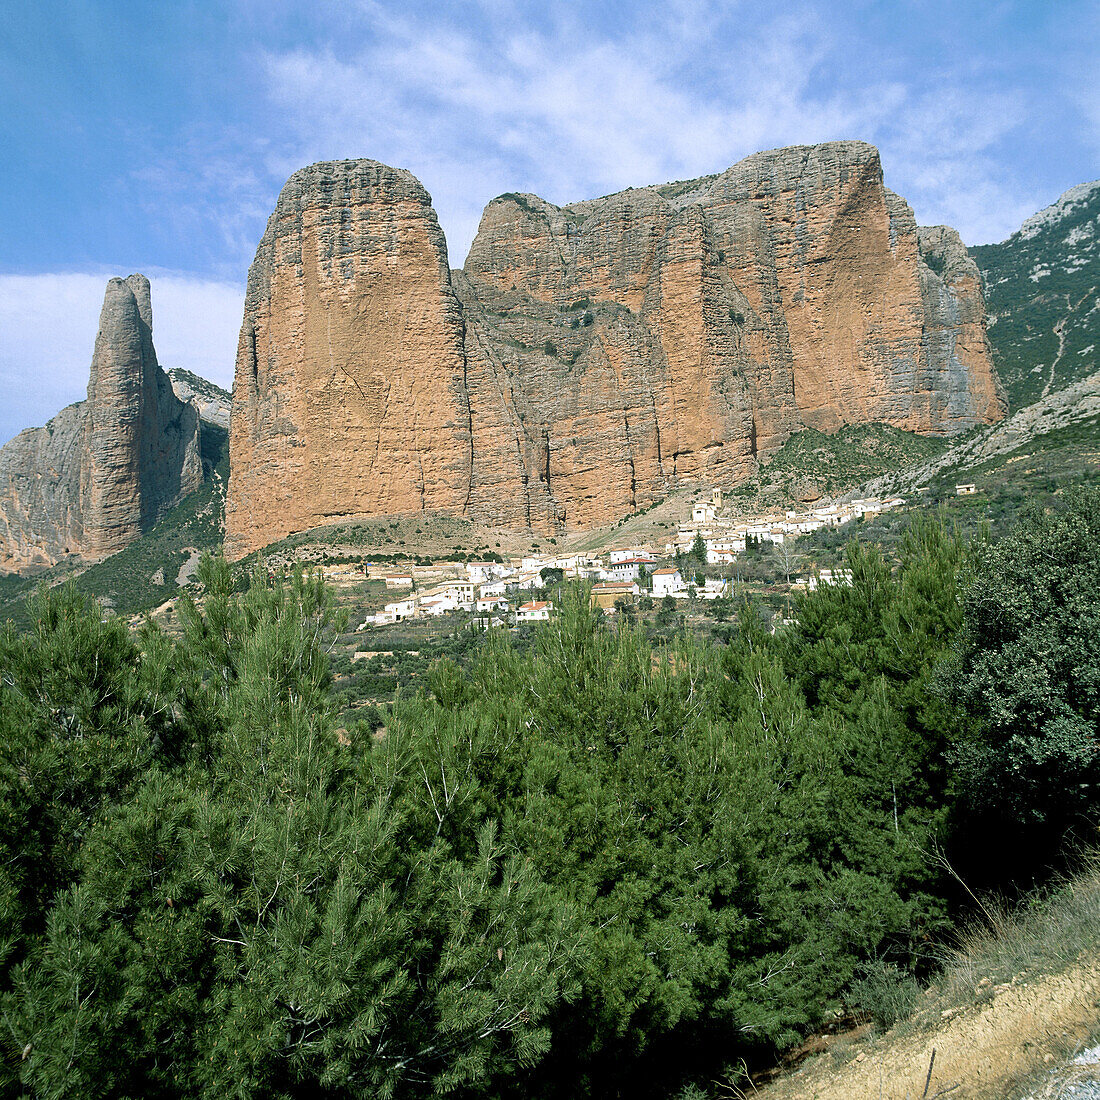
x=1044 y=934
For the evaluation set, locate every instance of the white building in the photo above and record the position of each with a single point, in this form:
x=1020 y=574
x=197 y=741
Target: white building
x=399 y=610
x=764 y=532
x=835 y=577
x=479 y=572
x=723 y=551
x=713 y=587
x=523 y=580
x=623 y=553
x=533 y=612
x=432 y=608
x=628 y=569
x=460 y=593
x=667 y=582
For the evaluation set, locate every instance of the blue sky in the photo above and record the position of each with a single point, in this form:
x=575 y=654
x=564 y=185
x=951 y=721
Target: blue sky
x=155 y=137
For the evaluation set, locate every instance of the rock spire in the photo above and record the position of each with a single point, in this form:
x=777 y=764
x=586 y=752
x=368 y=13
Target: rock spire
x=103 y=470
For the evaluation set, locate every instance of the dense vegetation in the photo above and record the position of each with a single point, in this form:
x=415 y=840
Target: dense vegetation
x=1041 y=292
x=584 y=864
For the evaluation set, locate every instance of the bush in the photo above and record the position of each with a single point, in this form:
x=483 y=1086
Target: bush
x=884 y=993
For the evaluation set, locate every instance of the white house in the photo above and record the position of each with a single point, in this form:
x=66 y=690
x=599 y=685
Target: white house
x=628 y=569
x=400 y=609
x=836 y=577
x=763 y=532
x=725 y=550
x=523 y=580
x=433 y=608
x=624 y=553
x=667 y=582
x=702 y=513
x=460 y=593
x=481 y=571
x=399 y=580
x=533 y=612
x=713 y=587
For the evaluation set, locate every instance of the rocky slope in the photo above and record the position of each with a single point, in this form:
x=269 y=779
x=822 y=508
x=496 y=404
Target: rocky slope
x=1042 y=289
x=589 y=358
x=102 y=470
x=212 y=401
x=1078 y=403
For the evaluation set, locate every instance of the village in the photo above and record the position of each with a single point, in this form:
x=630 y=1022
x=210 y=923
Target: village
x=516 y=592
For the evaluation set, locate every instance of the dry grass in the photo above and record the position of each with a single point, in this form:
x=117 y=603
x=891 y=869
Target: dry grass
x=1042 y=935
x=1017 y=999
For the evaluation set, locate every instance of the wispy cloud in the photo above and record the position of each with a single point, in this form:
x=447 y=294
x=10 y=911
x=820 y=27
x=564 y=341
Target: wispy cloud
x=195 y=325
x=571 y=111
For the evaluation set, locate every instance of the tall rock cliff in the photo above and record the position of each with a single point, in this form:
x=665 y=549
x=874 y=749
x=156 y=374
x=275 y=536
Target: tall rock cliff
x=349 y=396
x=103 y=470
x=589 y=358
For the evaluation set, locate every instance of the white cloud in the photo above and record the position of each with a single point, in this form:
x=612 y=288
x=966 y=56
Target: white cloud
x=195 y=325
x=49 y=325
x=559 y=108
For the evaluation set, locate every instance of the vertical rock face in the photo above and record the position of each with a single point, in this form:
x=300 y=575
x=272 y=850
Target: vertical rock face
x=104 y=470
x=716 y=317
x=588 y=358
x=349 y=396
x=40 y=520
x=957 y=347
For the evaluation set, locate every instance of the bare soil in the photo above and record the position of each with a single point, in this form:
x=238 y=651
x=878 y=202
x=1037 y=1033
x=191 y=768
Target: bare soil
x=987 y=1050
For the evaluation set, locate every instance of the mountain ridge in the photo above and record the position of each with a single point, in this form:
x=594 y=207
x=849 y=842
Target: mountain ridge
x=1042 y=289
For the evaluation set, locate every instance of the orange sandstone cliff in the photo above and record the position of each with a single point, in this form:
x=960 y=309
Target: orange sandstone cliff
x=589 y=358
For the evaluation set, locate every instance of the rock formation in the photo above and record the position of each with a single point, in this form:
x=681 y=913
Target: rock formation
x=103 y=470
x=589 y=358
x=349 y=396
x=212 y=401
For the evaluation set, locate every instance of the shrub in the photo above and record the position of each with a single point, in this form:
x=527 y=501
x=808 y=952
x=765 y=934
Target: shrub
x=884 y=992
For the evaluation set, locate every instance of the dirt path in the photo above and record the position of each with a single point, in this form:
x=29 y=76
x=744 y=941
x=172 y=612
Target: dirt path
x=983 y=1051
x=1060 y=332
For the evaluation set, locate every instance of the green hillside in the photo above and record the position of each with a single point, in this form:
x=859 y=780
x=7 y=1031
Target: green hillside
x=1041 y=288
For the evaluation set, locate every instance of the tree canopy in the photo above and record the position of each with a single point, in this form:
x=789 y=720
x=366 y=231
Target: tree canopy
x=579 y=863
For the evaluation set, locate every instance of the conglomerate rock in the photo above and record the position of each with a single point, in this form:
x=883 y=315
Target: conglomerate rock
x=349 y=395
x=589 y=358
x=103 y=470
